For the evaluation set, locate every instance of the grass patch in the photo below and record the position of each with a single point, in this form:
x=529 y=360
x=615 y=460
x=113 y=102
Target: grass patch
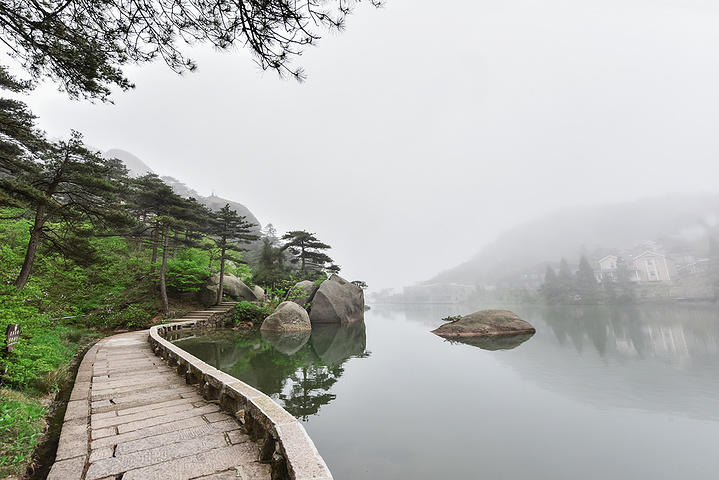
x=22 y=423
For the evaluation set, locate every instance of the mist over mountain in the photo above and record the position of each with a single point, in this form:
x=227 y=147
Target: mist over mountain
x=681 y=222
x=135 y=166
x=138 y=168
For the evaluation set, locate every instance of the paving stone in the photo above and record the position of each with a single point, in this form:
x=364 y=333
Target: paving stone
x=76 y=409
x=164 y=419
x=197 y=465
x=67 y=469
x=102 y=432
x=216 y=417
x=229 y=427
x=100 y=453
x=145 y=415
x=236 y=436
x=192 y=422
x=80 y=391
x=73 y=439
x=153 y=456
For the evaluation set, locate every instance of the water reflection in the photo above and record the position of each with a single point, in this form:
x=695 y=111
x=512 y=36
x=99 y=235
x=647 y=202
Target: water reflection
x=652 y=358
x=296 y=369
x=493 y=342
x=677 y=335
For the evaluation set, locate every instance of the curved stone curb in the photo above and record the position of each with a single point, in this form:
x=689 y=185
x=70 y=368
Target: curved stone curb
x=284 y=441
x=73 y=446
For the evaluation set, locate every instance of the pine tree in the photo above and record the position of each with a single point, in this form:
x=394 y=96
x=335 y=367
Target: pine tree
x=270 y=270
x=165 y=219
x=71 y=192
x=565 y=282
x=587 y=285
x=83 y=45
x=625 y=287
x=550 y=288
x=228 y=231
x=307 y=250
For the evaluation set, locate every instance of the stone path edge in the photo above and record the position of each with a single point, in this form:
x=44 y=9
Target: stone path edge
x=284 y=440
x=72 y=453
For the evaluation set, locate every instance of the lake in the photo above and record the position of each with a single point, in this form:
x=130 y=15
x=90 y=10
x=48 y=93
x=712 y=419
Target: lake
x=598 y=392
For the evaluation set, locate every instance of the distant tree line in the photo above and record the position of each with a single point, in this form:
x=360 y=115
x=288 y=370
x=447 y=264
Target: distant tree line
x=565 y=287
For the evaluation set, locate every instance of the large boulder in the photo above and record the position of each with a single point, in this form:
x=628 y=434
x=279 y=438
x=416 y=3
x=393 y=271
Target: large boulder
x=259 y=293
x=485 y=322
x=337 y=301
x=208 y=294
x=302 y=293
x=231 y=286
x=287 y=317
x=236 y=288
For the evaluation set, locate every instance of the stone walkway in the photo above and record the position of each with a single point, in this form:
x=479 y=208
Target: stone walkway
x=132 y=417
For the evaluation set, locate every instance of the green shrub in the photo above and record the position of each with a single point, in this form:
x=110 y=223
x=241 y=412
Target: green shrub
x=249 y=312
x=21 y=427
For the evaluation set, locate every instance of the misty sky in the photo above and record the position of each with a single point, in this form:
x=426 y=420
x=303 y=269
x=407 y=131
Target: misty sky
x=423 y=132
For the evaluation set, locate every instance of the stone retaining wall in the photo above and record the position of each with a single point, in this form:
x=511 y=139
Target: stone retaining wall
x=284 y=441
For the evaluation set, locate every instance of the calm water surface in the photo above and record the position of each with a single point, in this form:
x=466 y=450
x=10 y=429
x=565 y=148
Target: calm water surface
x=597 y=393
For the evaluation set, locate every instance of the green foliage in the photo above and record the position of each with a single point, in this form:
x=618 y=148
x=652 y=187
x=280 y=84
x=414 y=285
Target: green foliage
x=249 y=312
x=270 y=271
x=185 y=276
x=21 y=427
x=45 y=347
x=308 y=252
x=84 y=46
x=452 y=318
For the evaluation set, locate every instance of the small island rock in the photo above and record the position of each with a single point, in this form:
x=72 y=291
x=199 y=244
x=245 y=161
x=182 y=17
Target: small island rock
x=485 y=322
x=287 y=317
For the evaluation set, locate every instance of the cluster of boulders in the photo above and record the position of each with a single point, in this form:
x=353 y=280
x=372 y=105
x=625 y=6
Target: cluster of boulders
x=232 y=286
x=333 y=301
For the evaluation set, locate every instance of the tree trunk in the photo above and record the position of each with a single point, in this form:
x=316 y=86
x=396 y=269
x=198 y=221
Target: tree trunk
x=153 y=239
x=32 y=245
x=163 y=270
x=222 y=277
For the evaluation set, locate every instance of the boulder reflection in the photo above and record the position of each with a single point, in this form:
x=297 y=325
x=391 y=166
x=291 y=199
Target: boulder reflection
x=493 y=342
x=296 y=369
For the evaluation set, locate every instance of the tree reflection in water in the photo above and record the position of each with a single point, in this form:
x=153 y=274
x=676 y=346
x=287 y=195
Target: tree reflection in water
x=296 y=370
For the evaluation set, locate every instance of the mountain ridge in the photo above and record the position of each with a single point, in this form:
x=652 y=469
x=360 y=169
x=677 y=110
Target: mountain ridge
x=685 y=220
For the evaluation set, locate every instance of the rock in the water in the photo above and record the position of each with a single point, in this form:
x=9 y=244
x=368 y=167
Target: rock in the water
x=302 y=292
x=287 y=317
x=485 y=322
x=337 y=301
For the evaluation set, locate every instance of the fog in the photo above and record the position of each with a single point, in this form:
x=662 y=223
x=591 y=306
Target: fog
x=422 y=133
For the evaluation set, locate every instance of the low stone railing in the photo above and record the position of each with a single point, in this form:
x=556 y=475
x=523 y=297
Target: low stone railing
x=283 y=440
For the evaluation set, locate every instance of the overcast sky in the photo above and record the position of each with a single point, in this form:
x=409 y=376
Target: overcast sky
x=424 y=130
